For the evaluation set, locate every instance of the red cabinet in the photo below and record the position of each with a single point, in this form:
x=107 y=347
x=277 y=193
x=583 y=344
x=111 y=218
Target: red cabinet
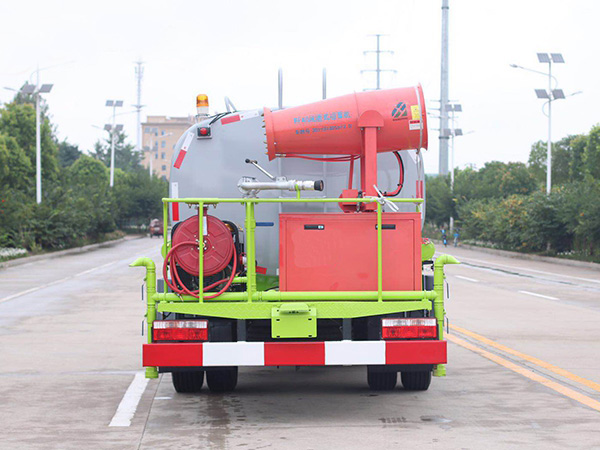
x=338 y=252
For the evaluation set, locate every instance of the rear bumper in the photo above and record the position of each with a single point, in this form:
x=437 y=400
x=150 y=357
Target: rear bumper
x=331 y=353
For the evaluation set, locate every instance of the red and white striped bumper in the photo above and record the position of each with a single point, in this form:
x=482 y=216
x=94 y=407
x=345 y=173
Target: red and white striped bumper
x=338 y=353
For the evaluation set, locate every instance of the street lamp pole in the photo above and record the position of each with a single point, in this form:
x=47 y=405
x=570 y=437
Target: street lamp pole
x=549 y=144
x=114 y=104
x=112 y=149
x=550 y=95
x=35 y=90
x=38 y=142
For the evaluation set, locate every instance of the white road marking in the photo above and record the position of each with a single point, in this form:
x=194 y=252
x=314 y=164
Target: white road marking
x=43 y=286
x=539 y=295
x=95 y=268
x=130 y=401
x=467 y=278
x=163 y=398
x=531 y=270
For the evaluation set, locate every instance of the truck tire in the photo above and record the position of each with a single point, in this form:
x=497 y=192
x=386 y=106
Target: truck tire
x=222 y=380
x=416 y=381
x=185 y=382
x=381 y=381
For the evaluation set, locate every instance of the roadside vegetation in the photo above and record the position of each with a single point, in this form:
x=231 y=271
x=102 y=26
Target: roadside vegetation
x=504 y=205
x=78 y=206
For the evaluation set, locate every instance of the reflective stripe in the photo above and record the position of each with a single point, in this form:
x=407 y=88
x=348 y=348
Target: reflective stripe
x=331 y=353
x=234 y=354
x=353 y=352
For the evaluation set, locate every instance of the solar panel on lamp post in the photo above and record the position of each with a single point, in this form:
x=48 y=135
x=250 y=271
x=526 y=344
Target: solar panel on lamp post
x=114 y=104
x=550 y=95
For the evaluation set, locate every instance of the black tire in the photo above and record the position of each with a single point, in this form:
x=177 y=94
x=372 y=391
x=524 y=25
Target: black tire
x=185 y=382
x=222 y=380
x=416 y=381
x=381 y=381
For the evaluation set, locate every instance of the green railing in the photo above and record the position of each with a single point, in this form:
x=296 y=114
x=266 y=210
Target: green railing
x=258 y=304
x=250 y=224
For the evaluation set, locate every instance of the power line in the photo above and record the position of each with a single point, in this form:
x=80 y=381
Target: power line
x=378 y=53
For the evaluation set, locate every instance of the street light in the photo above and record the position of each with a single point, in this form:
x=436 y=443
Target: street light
x=36 y=90
x=114 y=104
x=550 y=95
x=452 y=108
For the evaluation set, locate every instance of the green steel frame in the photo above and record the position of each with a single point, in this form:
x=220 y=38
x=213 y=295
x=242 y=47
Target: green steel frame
x=259 y=304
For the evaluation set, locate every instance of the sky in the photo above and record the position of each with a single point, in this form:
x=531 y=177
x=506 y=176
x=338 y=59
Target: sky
x=234 y=48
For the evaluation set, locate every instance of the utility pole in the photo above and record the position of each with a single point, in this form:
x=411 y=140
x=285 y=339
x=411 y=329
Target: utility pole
x=139 y=74
x=378 y=53
x=443 y=161
x=280 y=88
x=113 y=128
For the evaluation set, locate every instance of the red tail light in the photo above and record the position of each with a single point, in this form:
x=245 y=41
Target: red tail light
x=409 y=328
x=180 y=330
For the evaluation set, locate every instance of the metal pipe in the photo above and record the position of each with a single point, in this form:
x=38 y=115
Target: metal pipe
x=438 y=303
x=165 y=248
x=278 y=296
x=250 y=253
x=248 y=184
x=151 y=372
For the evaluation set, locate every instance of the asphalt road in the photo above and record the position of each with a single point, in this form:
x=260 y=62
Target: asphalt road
x=524 y=368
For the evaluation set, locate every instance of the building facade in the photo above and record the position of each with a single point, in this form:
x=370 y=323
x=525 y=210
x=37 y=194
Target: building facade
x=159 y=136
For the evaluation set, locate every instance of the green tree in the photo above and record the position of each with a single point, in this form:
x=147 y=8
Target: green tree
x=138 y=196
x=439 y=204
x=567 y=155
x=18 y=121
x=15 y=166
x=67 y=153
x=591 y=155
x=88 y=182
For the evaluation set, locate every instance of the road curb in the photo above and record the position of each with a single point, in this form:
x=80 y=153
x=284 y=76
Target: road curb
x=525 y=256
x=69 y=251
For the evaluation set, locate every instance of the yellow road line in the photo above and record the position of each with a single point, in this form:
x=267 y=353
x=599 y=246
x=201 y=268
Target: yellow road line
x=552 y=368
x=568 y=392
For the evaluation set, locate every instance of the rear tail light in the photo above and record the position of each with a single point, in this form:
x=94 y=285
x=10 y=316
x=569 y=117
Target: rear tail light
x=408 y=328
x=180 y=330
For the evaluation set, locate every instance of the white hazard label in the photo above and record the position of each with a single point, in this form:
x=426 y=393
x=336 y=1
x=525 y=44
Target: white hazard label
x=414 y=125
x=187 y=141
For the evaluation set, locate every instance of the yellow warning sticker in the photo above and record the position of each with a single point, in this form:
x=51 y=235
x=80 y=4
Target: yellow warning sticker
x=415 y=112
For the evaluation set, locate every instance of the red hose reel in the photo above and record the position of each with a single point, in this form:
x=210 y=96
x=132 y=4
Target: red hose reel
x=218 y=252
x=218 y=246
